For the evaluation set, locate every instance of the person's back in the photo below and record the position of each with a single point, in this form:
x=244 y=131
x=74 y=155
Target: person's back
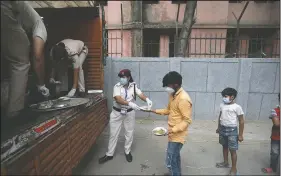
x=8 y=17
x=73 y=46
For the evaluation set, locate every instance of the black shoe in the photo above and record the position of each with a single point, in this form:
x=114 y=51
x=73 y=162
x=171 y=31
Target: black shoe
x=105 y=159
x=129 y=157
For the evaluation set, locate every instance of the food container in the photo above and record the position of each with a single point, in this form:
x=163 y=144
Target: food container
x=160 y=131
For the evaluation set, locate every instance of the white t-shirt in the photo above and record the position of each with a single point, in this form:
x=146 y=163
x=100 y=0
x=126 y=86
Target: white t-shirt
x=229 y=114
x=30 y=19
x=119 y=90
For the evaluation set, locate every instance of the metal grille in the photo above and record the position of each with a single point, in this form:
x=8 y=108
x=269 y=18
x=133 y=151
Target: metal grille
x=214 y=46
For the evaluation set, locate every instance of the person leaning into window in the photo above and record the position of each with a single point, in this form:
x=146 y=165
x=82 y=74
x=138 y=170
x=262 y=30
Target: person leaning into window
x=73 y=51
x=124 y=94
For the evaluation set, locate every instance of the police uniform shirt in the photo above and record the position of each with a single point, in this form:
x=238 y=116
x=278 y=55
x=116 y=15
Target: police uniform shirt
x=126 y=94
x=73 y=48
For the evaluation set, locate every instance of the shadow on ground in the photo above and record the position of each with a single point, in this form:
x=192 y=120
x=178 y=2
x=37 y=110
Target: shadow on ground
x=199 y=154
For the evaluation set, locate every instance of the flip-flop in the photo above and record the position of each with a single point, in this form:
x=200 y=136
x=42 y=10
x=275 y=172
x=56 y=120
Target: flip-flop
x=231 y=173
x=267 y=170
x=222 y=165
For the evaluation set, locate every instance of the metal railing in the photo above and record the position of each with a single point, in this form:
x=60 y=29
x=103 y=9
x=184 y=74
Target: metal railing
x=202 y=47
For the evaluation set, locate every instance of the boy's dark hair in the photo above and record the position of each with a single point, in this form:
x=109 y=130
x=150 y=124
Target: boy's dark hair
x=229 y=91
x=59 y=51
x=172 y=77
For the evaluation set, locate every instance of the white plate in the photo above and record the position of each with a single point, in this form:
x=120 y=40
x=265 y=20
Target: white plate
x=154 y=131
x=145 y=108
x=64 y=98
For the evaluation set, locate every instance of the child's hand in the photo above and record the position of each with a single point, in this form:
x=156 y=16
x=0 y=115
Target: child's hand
x=240 y=138
x=170 y=131
x=217 y=131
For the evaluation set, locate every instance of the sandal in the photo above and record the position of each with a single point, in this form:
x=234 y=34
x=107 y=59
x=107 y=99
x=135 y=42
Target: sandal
x=222 y=165
x=267 y=170
x=231 y=173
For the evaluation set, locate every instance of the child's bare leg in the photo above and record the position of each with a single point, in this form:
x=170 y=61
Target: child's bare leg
x=233 y=169
x=225 y=155
x=224 y=142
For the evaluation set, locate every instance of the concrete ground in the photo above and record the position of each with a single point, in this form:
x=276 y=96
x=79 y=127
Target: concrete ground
x=199 y=154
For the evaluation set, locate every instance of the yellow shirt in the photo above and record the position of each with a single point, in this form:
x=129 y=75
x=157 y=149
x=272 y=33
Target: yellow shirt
x=179 y=110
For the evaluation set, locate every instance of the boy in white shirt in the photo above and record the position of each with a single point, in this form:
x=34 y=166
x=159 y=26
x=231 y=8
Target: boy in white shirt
x=230 y=114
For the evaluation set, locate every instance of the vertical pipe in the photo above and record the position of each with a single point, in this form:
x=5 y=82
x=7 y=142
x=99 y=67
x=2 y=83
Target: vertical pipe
x=177 y=20
x=200 y=44
x=110 y=44
x=122 y=20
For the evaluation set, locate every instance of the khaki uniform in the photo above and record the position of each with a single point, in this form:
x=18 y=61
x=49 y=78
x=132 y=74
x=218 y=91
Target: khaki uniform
x=116 y=118
x=77 y=53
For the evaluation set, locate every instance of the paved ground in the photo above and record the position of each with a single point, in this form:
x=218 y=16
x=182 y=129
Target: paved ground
x=199 y=154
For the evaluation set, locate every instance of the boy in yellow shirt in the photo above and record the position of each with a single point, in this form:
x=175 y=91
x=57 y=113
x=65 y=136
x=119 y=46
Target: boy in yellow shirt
x=179 y=112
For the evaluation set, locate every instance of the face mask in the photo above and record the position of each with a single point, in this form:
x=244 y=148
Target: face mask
x=226 y=100
x=123 y=81
x=169 y=90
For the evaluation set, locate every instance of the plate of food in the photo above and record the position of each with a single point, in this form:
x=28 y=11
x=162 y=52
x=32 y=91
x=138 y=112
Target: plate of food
x=145 y=108
x=159 y=131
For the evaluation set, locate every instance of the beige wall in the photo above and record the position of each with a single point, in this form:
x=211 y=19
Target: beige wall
x=207 y=12
x=256 y=13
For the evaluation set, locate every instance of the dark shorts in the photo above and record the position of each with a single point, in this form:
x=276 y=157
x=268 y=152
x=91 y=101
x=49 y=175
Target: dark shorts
x=228 y=137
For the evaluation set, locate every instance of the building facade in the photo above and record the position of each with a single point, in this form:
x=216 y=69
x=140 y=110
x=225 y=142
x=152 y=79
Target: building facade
x=149 y=28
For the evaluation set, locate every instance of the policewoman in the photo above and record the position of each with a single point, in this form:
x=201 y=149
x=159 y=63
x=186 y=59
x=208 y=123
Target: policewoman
x=123 y=111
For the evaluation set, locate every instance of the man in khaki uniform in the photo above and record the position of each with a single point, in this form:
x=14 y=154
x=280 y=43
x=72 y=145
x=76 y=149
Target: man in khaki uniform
x=74 y=51
x=19 y=23
x=124 y=94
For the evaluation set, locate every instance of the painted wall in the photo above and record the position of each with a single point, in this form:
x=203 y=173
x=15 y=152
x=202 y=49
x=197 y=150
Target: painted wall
x=256 y=80
x=255 y=14
x=207 y=12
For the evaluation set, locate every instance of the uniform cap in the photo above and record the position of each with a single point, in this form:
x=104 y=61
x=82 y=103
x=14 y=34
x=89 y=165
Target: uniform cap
x=124 y=72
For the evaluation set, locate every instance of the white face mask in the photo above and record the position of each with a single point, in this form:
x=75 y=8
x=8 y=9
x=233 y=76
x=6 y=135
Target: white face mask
x=169 y=90
x=123 y=81
x=226 y=100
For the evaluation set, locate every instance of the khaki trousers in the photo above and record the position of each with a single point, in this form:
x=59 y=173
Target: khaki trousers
x=115 y=123
x=15 y=47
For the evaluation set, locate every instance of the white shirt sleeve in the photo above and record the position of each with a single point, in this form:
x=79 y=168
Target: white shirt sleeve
x=138 y=91
x=221 y=105
x=239 y=110
x=272 y=114
x=116 y=91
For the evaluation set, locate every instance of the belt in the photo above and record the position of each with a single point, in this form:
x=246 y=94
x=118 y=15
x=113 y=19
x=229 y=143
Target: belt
x=119 y=110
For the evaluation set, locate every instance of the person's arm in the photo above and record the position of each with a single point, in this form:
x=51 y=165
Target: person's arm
x=274 y=118
x=120 y=100
x=140 y=94
x=76 y=68
x=276 y=121
x=240 y=115
x=39 y=59
x=185 y=108
x=241 y=125
x=117 y=96
x=219 y=122
x=165 y=111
